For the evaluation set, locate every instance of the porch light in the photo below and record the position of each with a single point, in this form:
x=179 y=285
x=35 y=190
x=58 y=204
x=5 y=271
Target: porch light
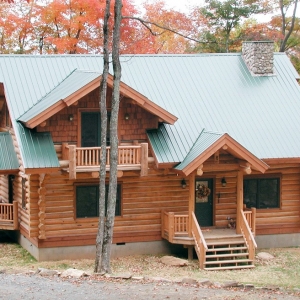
x=183 y=183
x=126 y=116
x=223 y=181
x=71 y=118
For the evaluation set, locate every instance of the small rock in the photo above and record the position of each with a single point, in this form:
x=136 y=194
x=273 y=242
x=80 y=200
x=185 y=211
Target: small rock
x=265 y=256
x=205 y=282
x=160 y=279
x=174 y=261
x=230 y=284
x=189 y=281
x=73 y=273
x=138 y=278
x=121 y=276
x=46 y=272
x=249 y=286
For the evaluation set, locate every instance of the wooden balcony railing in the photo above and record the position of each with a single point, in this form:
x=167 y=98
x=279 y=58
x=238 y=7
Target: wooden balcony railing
x=250 y=216
x=9 y=216
x=248 y=236
x=133 y=157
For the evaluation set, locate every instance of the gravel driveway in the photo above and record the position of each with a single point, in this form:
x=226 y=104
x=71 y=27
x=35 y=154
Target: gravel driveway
x=21 y=286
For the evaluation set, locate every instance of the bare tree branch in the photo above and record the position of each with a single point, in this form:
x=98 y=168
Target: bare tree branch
x=148 y=23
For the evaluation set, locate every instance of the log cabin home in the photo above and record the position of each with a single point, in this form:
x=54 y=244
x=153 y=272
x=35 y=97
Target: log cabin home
x=209 y=154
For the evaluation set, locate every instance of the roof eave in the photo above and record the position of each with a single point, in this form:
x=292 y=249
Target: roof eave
x=232 y=147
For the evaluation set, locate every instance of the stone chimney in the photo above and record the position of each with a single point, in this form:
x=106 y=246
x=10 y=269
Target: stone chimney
x=258 y=57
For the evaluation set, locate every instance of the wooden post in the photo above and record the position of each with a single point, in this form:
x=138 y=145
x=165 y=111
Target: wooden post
x=190 y=252
x=253 y=215
x=239 y=201
x=15 y=214
x=144 y=159
x=191 y=200
x=171 y=227
x=72 y=163
x=64 y=151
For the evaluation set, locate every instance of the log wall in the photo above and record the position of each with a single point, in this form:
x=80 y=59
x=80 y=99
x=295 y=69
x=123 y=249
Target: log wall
x=4 y=188
x=143 y=198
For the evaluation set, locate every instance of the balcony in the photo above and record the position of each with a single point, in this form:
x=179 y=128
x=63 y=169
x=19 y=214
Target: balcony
x=87 y=159
x=9 y=216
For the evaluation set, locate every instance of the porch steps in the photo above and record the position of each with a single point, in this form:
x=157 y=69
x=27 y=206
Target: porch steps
x=227 y=253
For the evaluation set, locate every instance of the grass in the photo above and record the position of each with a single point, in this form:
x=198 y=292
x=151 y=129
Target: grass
x=282 y=271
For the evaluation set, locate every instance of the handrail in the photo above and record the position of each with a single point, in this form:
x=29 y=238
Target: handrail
x=200 y=243
x=247 y=233
x=250 y=216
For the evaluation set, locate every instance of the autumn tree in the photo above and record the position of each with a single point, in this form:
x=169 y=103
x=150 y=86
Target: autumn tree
x=222 y=17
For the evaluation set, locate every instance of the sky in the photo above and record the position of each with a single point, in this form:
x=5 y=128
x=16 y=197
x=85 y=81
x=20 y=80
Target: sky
x=180 y=5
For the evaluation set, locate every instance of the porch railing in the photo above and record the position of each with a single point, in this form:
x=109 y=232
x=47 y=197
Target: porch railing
x=250 y=216
x=248 y=235
x=133 y=157
x=9 y=215
x=174 y=225
x=200 y=243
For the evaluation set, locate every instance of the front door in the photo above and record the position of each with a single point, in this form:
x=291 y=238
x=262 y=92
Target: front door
x=90 y=129
x=204 y=202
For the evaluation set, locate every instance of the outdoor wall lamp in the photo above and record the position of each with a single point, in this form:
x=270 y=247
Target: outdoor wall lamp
x=223 y=181
x=71 y=118
x=126 y=116
x=183 y=183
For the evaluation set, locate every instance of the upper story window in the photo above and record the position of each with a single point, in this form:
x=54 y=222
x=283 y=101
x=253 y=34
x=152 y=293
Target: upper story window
x=91 y=129
x=262 y=192
x=87 y=200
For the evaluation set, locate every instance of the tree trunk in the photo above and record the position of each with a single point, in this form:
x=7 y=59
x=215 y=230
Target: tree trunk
x=106 y=223
x=112 y=193
x=285 y=33
x=103 y=112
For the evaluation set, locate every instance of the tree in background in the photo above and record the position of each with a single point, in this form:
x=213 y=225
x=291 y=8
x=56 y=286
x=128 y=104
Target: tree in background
x=222 y=18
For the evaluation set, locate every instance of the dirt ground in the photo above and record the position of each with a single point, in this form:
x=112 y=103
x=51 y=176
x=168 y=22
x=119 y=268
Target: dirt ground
x=276 y=279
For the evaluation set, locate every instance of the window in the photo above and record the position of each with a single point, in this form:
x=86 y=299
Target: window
x=24 y=193
x=262 y=192
x=87 y=200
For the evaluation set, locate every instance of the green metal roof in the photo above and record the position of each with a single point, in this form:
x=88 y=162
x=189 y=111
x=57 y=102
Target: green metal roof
x=37 y=148
x=212 y=91
x=69 y=85
x=204 y=141
x=8 y=157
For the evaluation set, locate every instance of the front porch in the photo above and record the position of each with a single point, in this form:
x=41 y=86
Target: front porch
x=87 y=159
x=9 y=216
x=216 y=248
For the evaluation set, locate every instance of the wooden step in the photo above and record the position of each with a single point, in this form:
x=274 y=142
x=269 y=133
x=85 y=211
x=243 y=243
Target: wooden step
x=227 y=255
x=224 y=243
x=226 y=249
x=229 y=268
x=229 y=261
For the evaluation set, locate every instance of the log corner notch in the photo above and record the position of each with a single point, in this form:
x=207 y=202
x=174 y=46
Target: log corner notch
x=245 y=167
x=144 y=159
x=200 y=170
